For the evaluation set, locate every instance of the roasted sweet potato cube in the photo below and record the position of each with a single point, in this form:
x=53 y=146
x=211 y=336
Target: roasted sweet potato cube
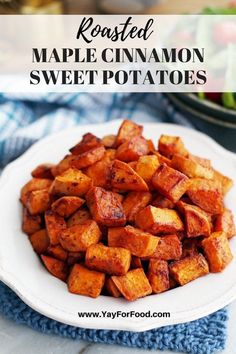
x=162 y=159
x=226 y=182
x=34 y=184
x=158 y=275
x=105 y=207
x=57 y=252
x=38 y=202
x=55 y=267
x=139 y=243
x=88 y=142
x=112 y=288
x=79 y=237
x=135 y=262
x=86 y=282
x=100 y=172
x=225 y=222
x=88 y=158
x=151 y=146
x=127 y=131
x=43 y=171
x=124 y=178
x=158 y=221
x=189 y=268
x=30 y=223
x=190 y=247
x=109 y=140
x=207 y=194
x=169 y=182
x=198 y=222
x=162 y=202
x=201 y=160
x=217 y=251
x=62 y=166
x=65 y=206
x=55 y=224
x=147 y=166
x=40 y=241
x=72 y=182
x=132 y=149
x=79 y=217
x=133 y=285
x=134 y=202
x=170 y=145
x=168 y=248
x=75 y=257
x=110 y=260
x=191 y=168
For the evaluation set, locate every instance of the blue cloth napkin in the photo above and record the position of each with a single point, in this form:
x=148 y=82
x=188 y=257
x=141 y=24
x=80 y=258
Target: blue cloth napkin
x=26 y=118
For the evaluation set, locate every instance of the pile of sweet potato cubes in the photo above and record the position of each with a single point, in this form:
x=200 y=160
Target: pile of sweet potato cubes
x=120 y=217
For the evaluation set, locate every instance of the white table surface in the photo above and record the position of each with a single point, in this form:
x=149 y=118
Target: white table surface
x=19 y=339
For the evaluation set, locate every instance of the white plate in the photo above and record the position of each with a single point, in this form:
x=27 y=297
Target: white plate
x=22 y=271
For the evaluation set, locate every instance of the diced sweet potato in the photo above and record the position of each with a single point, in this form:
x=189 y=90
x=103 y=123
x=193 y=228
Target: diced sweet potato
x=40 y=241
x=162 y=159
x=158 y=221
x=158 y=275
x=79 y=217
x=198 y=222
x=190 y=247
x=169 y=182
x=110 y=260
x=168 y=248
x=135 y=262
x=75 y=257
x=88 y=142
x=34 y=184
x=139 y=243
x=31 y=223
x=202 y=161
x=65 y=206
x=225 y=222
x=112 y=288
x=226 y=182
x=133 y=164
x=79 y=237
x=189 y=268
x=100 y=172
x=109 y=140
x=55 y=267
x=151 y=146
x=62 y=166
x=147 y=166
x=170 y=145
x=134 y=202
x=57 y=252
x=133 y=285
x=72 y=182
x=43 y=171
x=86 y=282
x=207 y=194
x=217 y=251
x=191 y=168
x=127 y=131
x=38 y=202
x=162 y=202
x=105 y=207
x=88 y=158
x=124 y=178
x=55 y=224
x=132 y=149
